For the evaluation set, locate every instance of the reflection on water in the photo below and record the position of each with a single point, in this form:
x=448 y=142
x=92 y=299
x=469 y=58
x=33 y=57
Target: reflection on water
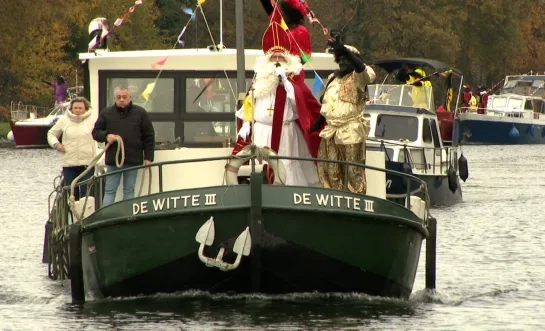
x=489 y=277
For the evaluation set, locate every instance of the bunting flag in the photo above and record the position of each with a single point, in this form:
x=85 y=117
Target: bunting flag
x=314 y=19
x=304 y=57
x=318 y=84
x=180 y=41
x=147 y=91
x=117 y=23
x=191 y=13
x=160 y=64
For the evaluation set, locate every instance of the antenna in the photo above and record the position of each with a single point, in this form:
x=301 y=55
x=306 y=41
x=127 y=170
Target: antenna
x=196 y=31
x=220 y=46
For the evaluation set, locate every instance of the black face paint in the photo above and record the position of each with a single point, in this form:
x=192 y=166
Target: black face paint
x=345 y=66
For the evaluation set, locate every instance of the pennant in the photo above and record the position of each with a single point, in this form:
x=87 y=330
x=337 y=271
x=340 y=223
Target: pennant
x=318 y=84
x=159 y=64
x=304 y=57
x=147 y=91
x=190 y=12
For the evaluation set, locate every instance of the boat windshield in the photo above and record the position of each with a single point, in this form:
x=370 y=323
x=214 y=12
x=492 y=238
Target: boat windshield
x=59 y=110
x=525 y=86
x=401 y=95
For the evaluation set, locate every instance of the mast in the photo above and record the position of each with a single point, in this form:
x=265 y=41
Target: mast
x=241 y=70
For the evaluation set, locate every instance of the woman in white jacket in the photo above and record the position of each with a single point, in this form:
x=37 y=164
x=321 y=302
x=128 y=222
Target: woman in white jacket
x=78 y=147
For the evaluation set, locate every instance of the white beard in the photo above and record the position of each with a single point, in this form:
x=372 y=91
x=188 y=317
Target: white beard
x=266 y=80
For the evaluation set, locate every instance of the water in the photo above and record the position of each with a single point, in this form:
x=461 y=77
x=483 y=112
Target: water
x=490 y=265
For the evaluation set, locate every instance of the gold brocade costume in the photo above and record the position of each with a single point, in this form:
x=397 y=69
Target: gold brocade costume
x=343 y=138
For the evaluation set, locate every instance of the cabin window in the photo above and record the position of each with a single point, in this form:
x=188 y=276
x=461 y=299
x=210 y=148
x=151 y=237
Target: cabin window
x=155 y=95
x=426 y=131
x=515 y=104
x=176 y=109
x=209 y=132
x=528 y=105
x=396 y=127
x=211 y=95
x=499 y=102
x=164 y=132
x=435 y=134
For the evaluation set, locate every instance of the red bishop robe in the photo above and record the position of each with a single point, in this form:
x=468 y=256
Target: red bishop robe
x=308 y=110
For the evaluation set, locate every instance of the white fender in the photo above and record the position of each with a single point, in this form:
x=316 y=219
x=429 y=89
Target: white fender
x=232 y=168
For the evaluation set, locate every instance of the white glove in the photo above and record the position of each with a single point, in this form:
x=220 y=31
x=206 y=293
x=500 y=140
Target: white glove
x=281 y=72
x=244 y=131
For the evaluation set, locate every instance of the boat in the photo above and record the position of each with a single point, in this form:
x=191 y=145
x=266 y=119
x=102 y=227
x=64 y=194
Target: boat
x=196 y=225
x=416 y=138
x=514 y=116
x=29 y=123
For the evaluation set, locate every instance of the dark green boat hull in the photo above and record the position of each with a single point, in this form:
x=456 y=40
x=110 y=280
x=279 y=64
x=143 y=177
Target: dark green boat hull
x=295 y=247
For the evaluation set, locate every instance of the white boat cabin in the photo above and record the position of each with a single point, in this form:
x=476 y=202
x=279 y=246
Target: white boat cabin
x=406 y=132
x=190 y=94
x=515 y=105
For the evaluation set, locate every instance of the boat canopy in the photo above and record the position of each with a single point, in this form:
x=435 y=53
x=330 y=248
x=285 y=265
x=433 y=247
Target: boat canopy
x=391 y=65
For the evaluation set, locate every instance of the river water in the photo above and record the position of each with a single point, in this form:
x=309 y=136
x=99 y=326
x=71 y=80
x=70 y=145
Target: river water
x=490 y=273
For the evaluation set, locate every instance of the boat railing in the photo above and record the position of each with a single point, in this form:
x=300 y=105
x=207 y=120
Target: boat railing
x=75 y=91
x=21 y=111
x=441 y=157
x=95 y=184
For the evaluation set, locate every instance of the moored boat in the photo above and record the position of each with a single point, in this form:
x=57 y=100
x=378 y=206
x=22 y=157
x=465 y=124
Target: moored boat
x=416 y=136
x=508 y=119
x=29 y=124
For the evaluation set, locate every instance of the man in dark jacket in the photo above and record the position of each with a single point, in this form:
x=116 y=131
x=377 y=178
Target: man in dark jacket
x=132 y=124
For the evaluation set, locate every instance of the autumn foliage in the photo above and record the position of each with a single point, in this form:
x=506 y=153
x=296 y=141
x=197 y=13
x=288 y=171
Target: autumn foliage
x=486 y=39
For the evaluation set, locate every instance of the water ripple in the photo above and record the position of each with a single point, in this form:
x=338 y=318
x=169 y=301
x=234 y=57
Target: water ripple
x=489 y=273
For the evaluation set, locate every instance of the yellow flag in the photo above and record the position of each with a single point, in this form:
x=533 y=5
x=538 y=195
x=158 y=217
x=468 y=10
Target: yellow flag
x=147 y=91
x=200 y=2
x=248 y=108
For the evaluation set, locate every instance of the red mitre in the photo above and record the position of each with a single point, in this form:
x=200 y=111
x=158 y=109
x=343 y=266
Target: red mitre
x=275 y=39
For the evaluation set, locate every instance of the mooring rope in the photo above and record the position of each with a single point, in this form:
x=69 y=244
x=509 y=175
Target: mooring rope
x=118 y=162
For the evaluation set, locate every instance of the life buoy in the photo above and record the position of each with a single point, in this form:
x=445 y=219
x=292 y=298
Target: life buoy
x=232 y=168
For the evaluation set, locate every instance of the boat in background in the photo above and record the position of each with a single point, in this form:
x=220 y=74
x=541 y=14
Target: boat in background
x=29 y=123
x=514 y=116
x=415 y=138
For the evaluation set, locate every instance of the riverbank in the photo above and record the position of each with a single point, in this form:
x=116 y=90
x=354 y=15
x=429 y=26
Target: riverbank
x=4 y=129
